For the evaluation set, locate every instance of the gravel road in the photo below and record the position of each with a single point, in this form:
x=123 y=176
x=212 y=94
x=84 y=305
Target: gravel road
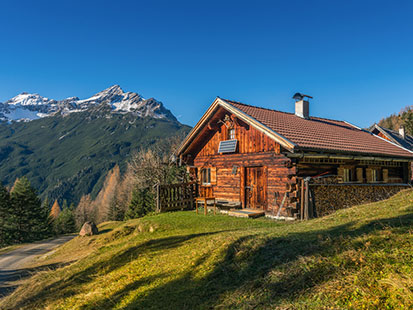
x=12 y=264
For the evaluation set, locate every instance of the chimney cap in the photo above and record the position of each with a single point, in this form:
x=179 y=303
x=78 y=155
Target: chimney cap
x=300 y=96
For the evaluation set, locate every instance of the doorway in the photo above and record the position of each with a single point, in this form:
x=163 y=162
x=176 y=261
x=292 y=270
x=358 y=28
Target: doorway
x=255 y=188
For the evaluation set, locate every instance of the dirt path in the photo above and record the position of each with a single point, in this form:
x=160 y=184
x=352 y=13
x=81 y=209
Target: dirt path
x=12 y=263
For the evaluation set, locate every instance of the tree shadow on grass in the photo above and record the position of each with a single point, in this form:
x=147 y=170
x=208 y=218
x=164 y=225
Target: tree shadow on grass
x=67 y=286
x=250 y=273
x=9 y=277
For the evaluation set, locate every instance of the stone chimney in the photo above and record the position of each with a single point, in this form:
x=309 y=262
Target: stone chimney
x=402 y=131
x=302 y=106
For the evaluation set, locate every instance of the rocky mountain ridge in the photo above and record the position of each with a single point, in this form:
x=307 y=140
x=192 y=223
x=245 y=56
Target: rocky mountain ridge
x=27 y=107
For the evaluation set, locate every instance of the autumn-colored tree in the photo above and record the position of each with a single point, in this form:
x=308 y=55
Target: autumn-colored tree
x=122 y=197
x=394 y=121
x=106 y=195
x=55 y=211
x=84 y=211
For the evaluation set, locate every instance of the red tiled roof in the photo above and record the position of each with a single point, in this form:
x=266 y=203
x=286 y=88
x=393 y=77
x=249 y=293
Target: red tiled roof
x=322 y=134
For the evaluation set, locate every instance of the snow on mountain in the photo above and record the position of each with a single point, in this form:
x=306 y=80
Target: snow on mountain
x=25 y=99
x=26 y=107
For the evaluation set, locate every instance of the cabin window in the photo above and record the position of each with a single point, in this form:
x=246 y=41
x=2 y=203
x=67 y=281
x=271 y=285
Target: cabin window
x=206 y=176
x=231 y=134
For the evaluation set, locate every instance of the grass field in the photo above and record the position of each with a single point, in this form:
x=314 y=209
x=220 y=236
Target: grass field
x=358 y=258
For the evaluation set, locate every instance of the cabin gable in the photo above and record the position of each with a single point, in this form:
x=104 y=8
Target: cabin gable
x=248 y=139
x=224 y=126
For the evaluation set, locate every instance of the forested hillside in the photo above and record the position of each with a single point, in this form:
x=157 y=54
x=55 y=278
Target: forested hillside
x=67 y=156
x=394 y=121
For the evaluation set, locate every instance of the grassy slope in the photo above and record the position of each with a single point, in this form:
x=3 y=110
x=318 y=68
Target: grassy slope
x=357 y=258
x=67 y=157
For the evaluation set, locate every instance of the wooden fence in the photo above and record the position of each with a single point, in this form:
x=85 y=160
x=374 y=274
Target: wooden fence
x=172 y=197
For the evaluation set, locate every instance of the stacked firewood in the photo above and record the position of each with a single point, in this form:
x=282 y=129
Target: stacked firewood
x=328 y=198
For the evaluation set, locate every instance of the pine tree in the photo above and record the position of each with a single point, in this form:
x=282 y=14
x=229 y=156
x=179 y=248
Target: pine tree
x=141 y=204
x=55 y=211
x=116 y=212
x=65 y=223
x=28 y=217
x=72 y=206
x=48 y=227
x=5 y=221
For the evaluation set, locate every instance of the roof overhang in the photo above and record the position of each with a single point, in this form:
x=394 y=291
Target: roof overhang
x=347 y=156
x=218 y=102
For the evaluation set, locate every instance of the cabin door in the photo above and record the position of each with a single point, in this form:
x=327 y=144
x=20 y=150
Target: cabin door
x=255 y=184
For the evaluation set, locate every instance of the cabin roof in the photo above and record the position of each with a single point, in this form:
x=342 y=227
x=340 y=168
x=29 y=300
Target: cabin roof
x=298 y=134
x=324 y=134
x=394 y=136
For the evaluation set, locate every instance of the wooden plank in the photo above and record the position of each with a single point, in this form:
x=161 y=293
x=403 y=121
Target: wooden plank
x=248 y=213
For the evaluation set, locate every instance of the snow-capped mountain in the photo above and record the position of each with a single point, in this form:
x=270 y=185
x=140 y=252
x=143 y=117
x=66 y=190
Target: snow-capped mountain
x=27 y=107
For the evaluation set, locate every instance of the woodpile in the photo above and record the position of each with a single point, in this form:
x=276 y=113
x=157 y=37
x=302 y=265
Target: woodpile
x=331 y=197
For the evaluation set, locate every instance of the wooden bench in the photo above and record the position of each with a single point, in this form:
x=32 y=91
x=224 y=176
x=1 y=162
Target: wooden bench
x=205 y=200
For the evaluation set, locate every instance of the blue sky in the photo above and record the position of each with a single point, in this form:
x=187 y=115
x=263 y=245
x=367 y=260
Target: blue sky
x=354 y=57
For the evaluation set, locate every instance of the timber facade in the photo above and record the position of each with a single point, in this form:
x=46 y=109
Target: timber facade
x=274 y=152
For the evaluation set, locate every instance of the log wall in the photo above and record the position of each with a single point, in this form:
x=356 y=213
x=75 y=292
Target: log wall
x=279 y=176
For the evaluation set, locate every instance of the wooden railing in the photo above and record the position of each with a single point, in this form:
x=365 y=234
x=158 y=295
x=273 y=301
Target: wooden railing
x=172 y=197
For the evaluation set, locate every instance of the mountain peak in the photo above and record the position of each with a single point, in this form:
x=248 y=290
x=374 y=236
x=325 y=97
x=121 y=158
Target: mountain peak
x=114 y=96
x=114 y=89
x=27 y=99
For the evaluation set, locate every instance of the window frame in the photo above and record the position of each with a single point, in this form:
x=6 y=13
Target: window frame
x=231 y=133
x=206 y=176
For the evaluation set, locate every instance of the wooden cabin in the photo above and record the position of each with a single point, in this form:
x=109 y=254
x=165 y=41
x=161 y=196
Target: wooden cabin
x=257 y=158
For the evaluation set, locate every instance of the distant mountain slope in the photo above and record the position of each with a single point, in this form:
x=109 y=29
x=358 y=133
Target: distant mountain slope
x=68 y=154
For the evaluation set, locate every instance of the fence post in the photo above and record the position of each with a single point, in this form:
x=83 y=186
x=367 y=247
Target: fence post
x=306 y=198
x=191 y=195
x=158 y=198
x=302 y=200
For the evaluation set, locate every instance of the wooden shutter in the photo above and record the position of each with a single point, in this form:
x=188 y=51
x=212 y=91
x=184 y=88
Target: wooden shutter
x=359 y=172
x=340 y=173
x=369 y=175
x=199 y=175
x=213 y=175
x=386 y=175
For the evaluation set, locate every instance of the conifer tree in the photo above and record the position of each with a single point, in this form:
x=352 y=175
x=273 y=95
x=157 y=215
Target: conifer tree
x=28 y=217
x=141 y=204
x=65 y=223
x=5 y=221
x=64 y=205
